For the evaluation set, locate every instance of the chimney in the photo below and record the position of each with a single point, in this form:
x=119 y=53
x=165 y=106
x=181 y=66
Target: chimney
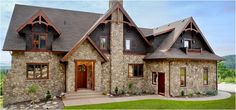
x=113 y=2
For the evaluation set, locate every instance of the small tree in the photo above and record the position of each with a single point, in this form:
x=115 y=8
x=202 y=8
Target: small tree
x=32 y=90
x=48 y=95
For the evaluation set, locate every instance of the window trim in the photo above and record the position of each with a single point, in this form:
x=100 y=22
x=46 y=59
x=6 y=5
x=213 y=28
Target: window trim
x=154 y=82
x=101 y=37
x=34 y=63
x=129 y=44
x=184 y=76
x=190 y=43
x=206 y=68
x=136 y=76
x=46 y=41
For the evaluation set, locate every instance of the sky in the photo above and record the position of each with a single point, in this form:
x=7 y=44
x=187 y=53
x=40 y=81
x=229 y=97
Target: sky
x=216 y=19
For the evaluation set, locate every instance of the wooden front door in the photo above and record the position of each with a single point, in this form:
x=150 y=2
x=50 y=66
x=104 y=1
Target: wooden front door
x=161 y=83
x=81 y=76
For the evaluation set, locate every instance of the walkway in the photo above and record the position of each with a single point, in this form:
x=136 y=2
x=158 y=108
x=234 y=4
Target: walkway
x=227 y=87
x=106 y=99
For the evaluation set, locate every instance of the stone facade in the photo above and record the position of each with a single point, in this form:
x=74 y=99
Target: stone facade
x=16 y=84
x=84 y=52
x=194 y=76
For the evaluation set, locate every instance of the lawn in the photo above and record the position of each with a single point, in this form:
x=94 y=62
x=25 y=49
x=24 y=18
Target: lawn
x=163 y=104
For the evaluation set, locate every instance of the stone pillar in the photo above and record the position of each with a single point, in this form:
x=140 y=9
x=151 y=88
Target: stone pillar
x=112 y=2
x=116 y=45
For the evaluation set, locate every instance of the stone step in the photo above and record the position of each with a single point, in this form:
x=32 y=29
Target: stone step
x=84 y=94
x=73 y=97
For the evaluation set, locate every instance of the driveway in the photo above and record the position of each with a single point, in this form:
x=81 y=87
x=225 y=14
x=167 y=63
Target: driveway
x=227 y=87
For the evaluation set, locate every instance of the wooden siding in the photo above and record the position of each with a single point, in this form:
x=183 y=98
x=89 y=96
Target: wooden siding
x=101 y=31
x=28 y=36
x=197 y=41
x=138 y=44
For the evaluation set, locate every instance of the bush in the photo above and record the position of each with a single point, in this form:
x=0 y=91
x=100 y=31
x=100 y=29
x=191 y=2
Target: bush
x=182 y=93
x=116 y=90
x=130 y=86
x=190 y=95
x=48 y=95
x=32 y=90
x=211 y=92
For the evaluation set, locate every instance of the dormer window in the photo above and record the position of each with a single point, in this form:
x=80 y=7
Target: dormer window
x=39 y=41
x=127 y=44
x=187 y=43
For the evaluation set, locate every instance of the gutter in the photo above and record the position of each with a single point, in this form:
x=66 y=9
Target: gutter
x=169 y=81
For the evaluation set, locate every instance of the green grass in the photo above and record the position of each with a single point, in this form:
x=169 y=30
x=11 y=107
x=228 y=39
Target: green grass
x=163 y=104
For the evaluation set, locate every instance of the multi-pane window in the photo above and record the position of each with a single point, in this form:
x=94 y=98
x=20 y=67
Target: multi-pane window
x=37 y=71
x=103 y=43
x=182 y=76
x=127 y=44
x=154 y=78
x=39 y=41
x=135 y=70
x=205 y=76
x=187 y=43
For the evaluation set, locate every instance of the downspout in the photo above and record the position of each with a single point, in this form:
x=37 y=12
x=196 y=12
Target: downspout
x=216 y=78
x=169 y=81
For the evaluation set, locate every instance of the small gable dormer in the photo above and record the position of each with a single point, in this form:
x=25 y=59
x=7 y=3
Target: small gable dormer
x=39 y=32
x=191 y=40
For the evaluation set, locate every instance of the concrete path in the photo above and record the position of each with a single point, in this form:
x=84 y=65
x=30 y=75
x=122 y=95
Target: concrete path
x=227 y=87
x=106 y=99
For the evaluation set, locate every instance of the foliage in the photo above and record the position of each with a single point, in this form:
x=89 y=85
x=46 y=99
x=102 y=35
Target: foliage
x=32 y=90
x=225 y=73
x=116 y=90
x=211 y=92
x=48 y=95
x=1 y=102
x=229 y=61
x=130 y=86
x=2 y=76
x=228 y=103
x=182 y=93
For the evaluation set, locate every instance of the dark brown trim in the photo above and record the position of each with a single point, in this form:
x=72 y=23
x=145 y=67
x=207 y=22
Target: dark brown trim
x=132 y=53
x=33 y=48
x=39 y=14
x=184 y=76
x=206 y=68
x=36 y=63
x=133 y=64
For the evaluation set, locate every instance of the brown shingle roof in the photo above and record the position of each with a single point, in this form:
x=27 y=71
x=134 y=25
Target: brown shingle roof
x=72 y=24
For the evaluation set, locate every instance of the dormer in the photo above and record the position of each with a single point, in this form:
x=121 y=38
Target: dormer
x=39 y=32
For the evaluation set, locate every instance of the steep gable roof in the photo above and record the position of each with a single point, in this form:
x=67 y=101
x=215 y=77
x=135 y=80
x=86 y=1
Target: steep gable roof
x=72 y=24
x=99 y=21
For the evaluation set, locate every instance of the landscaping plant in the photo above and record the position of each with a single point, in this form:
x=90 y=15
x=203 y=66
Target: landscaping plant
x=48 y=95
x=32 y=90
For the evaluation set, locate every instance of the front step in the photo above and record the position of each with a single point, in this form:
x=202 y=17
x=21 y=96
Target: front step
x=83 y=94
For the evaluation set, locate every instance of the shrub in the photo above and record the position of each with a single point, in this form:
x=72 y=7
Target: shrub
x=48 y=95
x=116 y=90
x=130 y=86
x=190 y=95
x=182 y=93
x=122 y=91
x=211 y=92
x=32 y=90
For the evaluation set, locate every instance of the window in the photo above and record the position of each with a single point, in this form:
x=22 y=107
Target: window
x=103 y=43
x=39 y=41
x=135 y=70
x=37 y=71
x=154 y=78
x=127 y=44
x=183 y=77
x=187 y=43
x=205 y=76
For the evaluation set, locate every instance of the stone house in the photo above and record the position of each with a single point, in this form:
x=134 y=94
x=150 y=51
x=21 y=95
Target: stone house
x=65 y=51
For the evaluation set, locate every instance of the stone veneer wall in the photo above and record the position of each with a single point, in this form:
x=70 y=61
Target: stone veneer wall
x=194 y=76
x=84 y=52
x=16 y=84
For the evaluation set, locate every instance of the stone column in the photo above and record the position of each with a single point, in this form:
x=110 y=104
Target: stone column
x=116 y=45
